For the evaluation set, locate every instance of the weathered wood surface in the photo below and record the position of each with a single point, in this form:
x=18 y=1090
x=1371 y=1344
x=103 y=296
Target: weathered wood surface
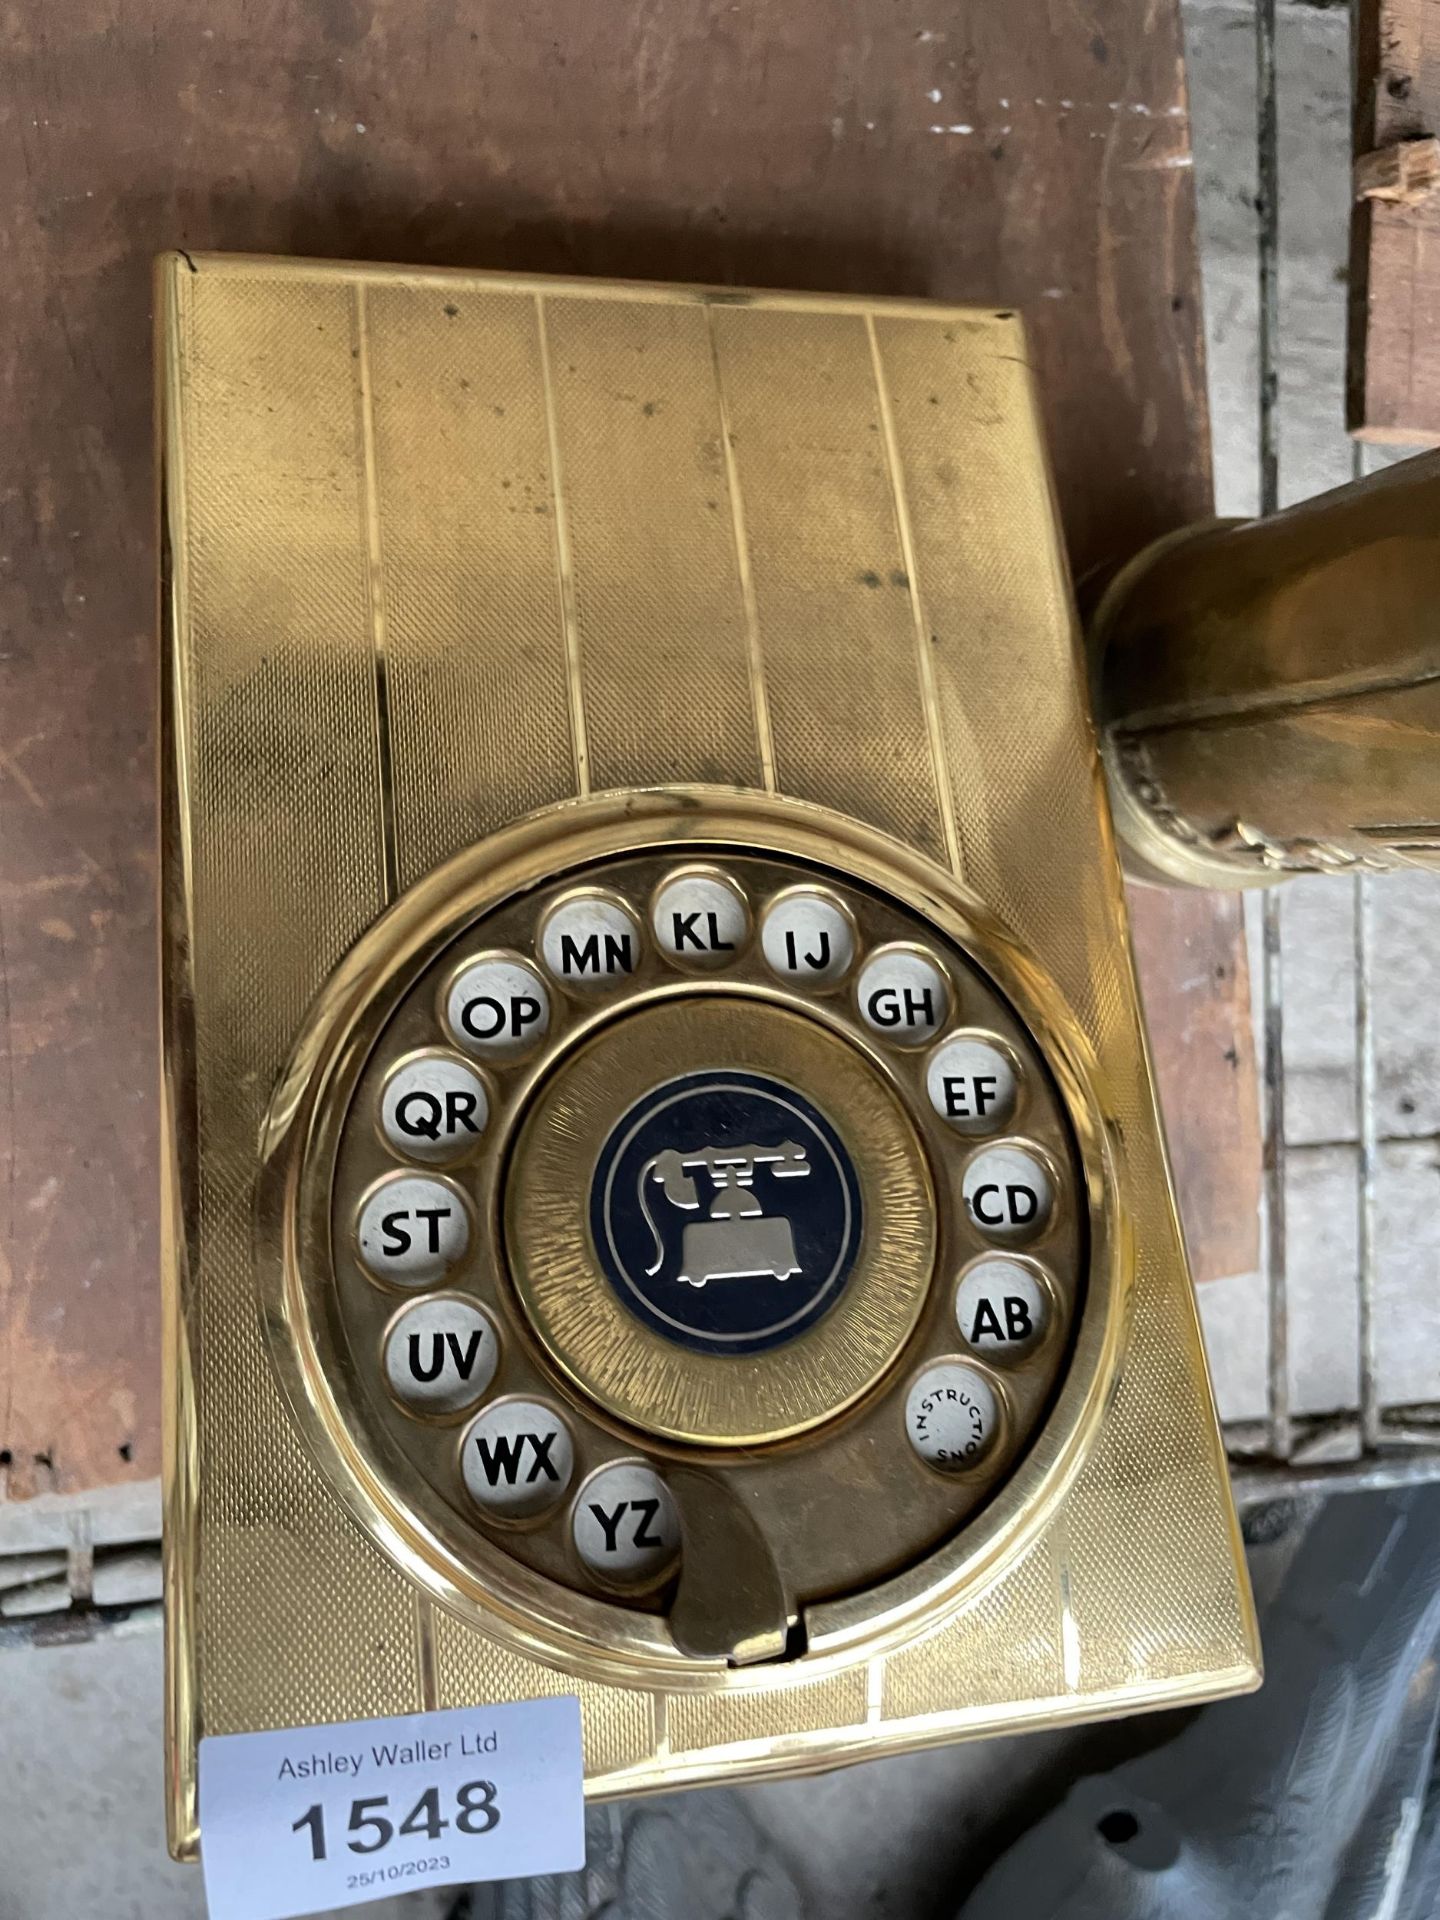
x=1032 y=154
x=1393 y=376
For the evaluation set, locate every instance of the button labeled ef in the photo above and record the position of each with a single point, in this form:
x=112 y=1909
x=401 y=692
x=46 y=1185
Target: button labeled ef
x=971 y=1084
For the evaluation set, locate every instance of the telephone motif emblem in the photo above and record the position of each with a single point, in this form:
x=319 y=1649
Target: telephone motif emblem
x=737 y=1240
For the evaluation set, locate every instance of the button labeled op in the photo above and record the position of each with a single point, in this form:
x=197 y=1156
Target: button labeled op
x=626 y=1525
x=903 y=995
x=952 y=1415
x=807 y=937
x=1000 y=1307
x=590 y=942
x=516 y=1458
x=497 y=1007
x=412 y=1230
x=971 y=1084
x=434 y=1108
x=1008 y=1193
x=440 y=1355
x=700 y=919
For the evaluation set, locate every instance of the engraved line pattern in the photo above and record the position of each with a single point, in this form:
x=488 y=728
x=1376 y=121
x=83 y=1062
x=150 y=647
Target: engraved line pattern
x=375 y=595
x=764 y=736
x=564 y=563
x=938 y=760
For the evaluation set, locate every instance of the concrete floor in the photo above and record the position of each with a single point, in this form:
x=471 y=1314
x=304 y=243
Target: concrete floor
x=80 y=1743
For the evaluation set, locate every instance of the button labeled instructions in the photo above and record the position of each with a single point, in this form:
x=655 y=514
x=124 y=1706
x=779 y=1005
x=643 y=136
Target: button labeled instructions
x=590 y=942
x=700 y=919
x=952 y=1416
x=971 y=1084
x=440 y=1356
x=1008 y=1193
x=434 y=1108
x=412 y=1231
x=626 y=1525
x=1000 y=1307
x=903 y=995
x=807 y=937
x=517 y=1458
x=497 y=1007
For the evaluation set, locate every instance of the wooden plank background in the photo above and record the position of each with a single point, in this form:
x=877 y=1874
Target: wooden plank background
x=1031 y=154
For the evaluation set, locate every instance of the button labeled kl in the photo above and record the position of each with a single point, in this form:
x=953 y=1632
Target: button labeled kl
x=412 y=1230
x=440 y=1355
x=952 y=1415
x=700 y=919
x=1008 y=1193
x=903 y=995
x=434 y=1108
x=590 y=942
x=971 y=1083
x=808 y=937
x=497 y=1007
x=1000 y=1307
x=625 y=1524
x=516 y=1458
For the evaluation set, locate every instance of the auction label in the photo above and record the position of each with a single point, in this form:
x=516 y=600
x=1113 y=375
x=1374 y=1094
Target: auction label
x=307 y=1818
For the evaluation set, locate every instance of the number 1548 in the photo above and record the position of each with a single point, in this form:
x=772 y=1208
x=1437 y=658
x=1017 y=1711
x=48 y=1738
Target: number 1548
x=476 y=1811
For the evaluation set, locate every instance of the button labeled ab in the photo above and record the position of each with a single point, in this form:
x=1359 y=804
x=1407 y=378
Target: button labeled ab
x=1000 y=1306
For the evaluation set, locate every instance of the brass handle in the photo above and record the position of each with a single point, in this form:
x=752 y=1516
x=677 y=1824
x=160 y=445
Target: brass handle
x=1268 y=692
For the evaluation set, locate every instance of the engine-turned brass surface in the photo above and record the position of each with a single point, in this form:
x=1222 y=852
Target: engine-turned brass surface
x=642 y=1377
x=710 y=575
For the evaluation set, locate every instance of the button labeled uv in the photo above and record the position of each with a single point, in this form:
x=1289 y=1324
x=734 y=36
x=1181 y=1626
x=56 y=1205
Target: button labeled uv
x=625 y=1524
x=700 y=919
x=497 y=1007
x=434 y=1108
x=971 y=1084
x=517 y=1458
x=1008 y=1193
x=808 y=937
x=440 y=1355
x=412 y=1230
x=952 y=1415
x=1000 y=1307
x=590 y=942
x=903 y=995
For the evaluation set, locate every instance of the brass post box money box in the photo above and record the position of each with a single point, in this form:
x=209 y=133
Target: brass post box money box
x=665 y=1199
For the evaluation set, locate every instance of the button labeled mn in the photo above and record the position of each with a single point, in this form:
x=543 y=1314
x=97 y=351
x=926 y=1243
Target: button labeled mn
x=590 y=942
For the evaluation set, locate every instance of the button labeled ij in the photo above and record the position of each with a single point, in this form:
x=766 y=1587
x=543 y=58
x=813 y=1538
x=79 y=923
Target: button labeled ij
x=807 y=937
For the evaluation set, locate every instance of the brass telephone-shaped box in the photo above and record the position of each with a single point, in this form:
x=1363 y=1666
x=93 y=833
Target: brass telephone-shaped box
x=665 y=1199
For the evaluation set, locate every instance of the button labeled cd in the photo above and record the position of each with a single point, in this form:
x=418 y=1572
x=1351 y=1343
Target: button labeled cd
x=952 y=1415
x=517 y=1458
x=807 y=937
x=1008 y=1193
x=625 y=1524
x=700 y=919
x=590 y=942
x=412 y=1231
x=497 y=1007
x=1000 y=1307
x=434 y=1108
x=441 y=1355
x=903 y=995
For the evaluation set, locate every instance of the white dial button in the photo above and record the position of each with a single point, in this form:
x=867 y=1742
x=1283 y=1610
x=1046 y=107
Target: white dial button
x=971 y=1083
x=1007 y=1193
x=1000 y=1307
x=903 y=995
x=590 y=942
x=807 y=937
x=412 y=1231
x=952 y=1415
x=517 y=1458
x=440 y=1355
x=626 y=1524
x=497 y=1007
x=434 y=1108
x=700 y=919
